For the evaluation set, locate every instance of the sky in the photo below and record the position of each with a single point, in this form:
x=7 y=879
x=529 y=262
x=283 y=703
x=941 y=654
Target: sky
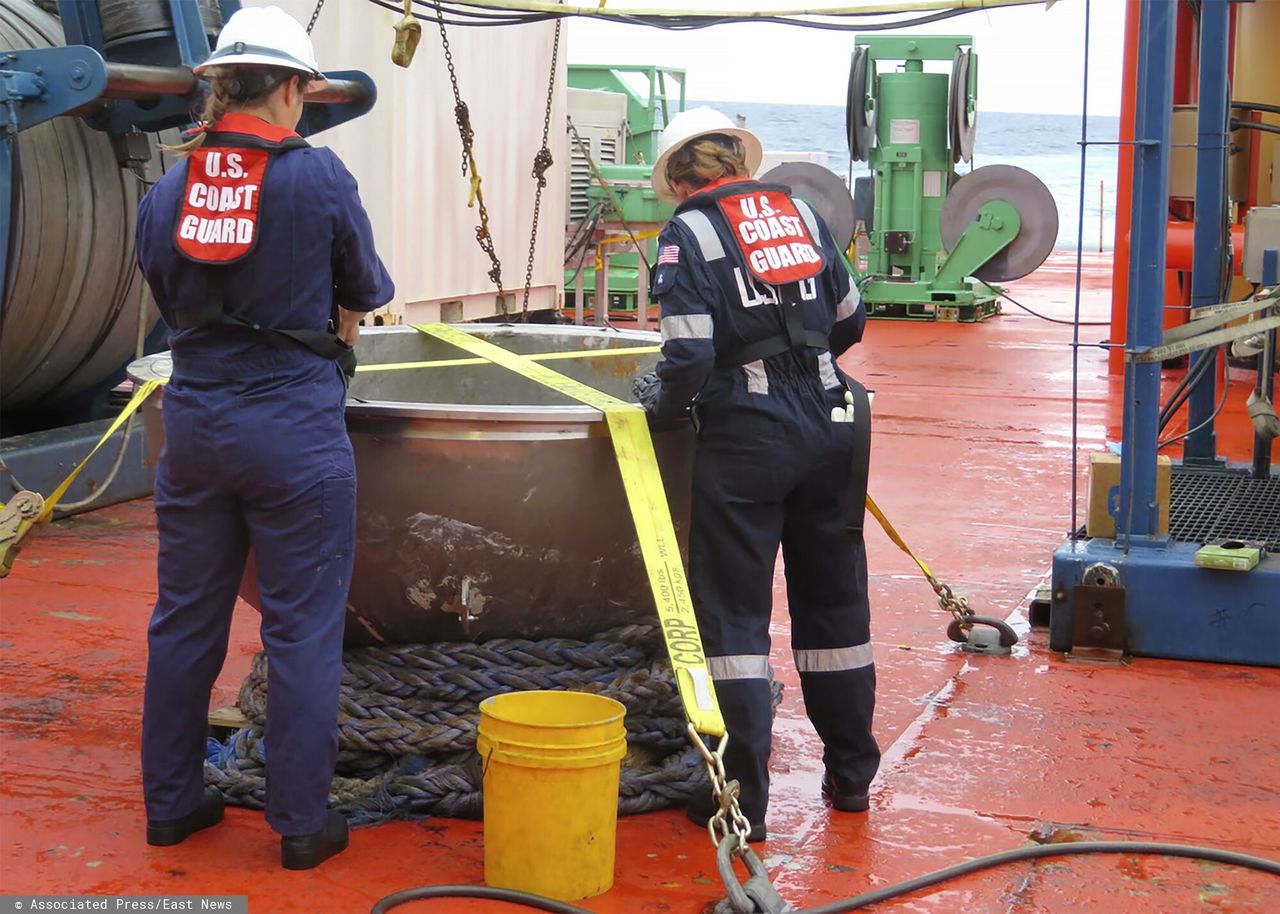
x=1030 y=58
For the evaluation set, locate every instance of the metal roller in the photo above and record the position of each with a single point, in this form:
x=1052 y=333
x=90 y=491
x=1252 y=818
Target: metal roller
x=824 y=190
x=129 y=22
x=860 y=124
x=962 y=123
x=74 y=297
x=1024 y=192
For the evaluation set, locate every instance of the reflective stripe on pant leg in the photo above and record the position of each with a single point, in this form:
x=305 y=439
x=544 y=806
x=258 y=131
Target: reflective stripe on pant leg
x=739 y=666
x=833 y=659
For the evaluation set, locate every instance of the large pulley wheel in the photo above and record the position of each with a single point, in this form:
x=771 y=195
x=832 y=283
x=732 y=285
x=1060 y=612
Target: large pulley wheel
x=859 y=112
x=962 y=116
x=1025 y=193
x=824 y=191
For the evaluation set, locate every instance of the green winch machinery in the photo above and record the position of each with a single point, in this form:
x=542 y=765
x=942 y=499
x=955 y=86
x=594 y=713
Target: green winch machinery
x=625 y=200
x=930 y=231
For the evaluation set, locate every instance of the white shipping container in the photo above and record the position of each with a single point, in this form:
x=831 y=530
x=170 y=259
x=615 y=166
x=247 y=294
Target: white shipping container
x=407 y=155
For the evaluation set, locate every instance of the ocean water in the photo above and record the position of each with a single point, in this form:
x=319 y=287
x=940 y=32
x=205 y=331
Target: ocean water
x=1047 y=145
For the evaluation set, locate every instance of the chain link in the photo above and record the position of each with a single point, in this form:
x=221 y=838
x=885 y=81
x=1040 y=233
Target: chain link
x=541 y=162
x=728 y=819
x=949 y=602
x=462 y=117
x=314 y=16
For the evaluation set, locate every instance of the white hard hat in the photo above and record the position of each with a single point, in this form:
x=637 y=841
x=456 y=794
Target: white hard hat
x=689 y=125
x=264 y=36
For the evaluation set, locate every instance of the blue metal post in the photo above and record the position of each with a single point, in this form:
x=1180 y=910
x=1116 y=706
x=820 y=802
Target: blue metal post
x=1138 y=515
x=188 y=31
x=81 y=23
x=1266 y=369
x=1208 y=264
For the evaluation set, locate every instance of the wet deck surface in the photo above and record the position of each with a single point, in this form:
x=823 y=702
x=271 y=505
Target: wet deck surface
x=972 y=462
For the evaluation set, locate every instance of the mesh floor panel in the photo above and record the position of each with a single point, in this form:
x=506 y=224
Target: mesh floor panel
x=1209 y=506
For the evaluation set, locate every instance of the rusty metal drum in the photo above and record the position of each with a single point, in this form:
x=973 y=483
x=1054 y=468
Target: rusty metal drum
x=489 y=506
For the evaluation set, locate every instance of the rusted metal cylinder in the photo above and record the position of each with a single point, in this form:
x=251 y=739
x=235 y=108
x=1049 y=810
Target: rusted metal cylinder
x=490 y=506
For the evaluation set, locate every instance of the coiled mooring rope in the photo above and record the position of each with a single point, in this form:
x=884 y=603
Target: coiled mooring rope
x=408 y=714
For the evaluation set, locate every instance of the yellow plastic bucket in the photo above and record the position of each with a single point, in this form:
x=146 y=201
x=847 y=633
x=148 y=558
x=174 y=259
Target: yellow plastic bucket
x=551 y=762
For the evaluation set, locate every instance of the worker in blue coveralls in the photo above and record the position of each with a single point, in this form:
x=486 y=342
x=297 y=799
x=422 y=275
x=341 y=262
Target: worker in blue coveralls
x=756 y=305
x=261 y=259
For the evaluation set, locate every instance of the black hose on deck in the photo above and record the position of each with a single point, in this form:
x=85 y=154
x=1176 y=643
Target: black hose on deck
x=511 y=896
x=857 y=902
x=1035 y=852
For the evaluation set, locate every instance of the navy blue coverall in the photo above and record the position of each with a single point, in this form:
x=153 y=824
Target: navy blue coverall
x=256 y=454
x=771 y=468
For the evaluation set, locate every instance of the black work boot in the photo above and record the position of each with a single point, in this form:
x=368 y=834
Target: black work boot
x=303 y=852
x=843 y=795
x=702 y=808
x=167 y=832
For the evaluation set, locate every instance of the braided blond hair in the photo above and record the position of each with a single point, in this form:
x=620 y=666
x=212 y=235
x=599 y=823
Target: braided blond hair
x=231 y=88
x=707 y=159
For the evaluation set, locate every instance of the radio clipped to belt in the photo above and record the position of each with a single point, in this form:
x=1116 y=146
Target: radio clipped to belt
x=217 y=225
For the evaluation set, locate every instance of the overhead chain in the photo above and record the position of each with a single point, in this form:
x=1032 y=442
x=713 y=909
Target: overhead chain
x=462 y=116
x=541 y=162
x=315 y=15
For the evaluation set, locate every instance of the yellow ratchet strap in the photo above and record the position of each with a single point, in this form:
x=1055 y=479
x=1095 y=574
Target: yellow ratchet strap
x=638 y=464
x=537 y=357
x=24 y=528
x=897 y=537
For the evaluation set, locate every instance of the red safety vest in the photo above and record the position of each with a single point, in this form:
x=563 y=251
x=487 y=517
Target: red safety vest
x=773 y=238
x=222 y=200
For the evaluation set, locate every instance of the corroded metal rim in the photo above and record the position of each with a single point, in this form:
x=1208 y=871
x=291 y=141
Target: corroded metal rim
x=531 y=417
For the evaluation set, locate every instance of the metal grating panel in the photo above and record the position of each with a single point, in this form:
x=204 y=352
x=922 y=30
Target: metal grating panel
x=1209 y=506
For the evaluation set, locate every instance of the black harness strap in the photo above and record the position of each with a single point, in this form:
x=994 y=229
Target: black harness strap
x=324 y=343
x=776 y=345
x=861 y=459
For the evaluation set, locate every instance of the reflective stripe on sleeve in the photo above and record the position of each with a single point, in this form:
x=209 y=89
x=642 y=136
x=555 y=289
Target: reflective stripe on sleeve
x=687 y=327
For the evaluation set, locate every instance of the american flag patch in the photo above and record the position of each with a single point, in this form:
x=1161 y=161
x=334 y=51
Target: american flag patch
x=670 y=253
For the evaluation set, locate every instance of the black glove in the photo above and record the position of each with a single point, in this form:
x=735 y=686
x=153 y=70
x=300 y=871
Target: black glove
x=646 y=388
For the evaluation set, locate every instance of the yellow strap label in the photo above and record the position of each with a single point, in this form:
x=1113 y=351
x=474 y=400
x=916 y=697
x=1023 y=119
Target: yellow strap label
x=638 y=464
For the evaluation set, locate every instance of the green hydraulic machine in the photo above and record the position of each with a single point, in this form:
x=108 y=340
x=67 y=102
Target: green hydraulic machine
x=935 y=241
x=619 y=194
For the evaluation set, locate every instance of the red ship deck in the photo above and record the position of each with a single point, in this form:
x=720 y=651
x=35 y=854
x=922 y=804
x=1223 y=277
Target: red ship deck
x=972 y=461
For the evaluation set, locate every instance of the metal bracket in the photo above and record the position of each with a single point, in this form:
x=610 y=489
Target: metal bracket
x=42 y=83
x=24 y=506
x=1098 y=617
x=997 y=225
